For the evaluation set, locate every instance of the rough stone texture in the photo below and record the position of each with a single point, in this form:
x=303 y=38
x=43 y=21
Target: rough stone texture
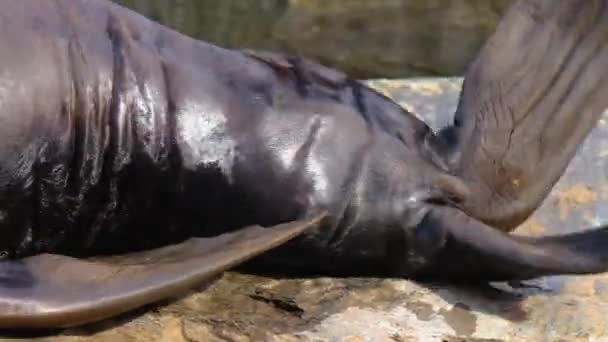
x=367 y=38
x=251 y=308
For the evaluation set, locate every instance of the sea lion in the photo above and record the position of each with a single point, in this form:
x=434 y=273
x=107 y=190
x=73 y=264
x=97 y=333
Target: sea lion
x=124 y=136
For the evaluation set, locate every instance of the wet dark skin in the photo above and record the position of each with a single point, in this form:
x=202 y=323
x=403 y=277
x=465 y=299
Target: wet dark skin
x=137 y=162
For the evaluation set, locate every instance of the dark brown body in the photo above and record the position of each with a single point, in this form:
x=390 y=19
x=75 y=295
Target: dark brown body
x=121 y=135
x=139 y=137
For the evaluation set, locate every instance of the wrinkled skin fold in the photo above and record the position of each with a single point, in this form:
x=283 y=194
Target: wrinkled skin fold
x=121 y=136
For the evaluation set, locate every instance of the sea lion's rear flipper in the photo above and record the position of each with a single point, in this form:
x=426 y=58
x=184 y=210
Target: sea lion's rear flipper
x=469 y=250
x=535 y=91
x=48 y=291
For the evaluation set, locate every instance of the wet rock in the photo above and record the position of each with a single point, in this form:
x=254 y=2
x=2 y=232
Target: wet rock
x=240 y=307
x=367 y=38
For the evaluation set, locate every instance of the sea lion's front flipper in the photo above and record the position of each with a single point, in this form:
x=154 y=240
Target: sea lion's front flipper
x=48 y=291
x=535 y=91
x=468 y=250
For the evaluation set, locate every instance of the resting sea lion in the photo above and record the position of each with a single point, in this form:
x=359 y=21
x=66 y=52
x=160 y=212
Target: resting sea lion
x=123 y=136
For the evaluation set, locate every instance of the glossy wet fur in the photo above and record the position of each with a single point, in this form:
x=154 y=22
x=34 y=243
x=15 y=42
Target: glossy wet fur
x=122 y=135
x=137 y=147
x=148 y=137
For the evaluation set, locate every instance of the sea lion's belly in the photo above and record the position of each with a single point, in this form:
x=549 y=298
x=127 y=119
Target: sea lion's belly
x=119 y=136
x=113 y=170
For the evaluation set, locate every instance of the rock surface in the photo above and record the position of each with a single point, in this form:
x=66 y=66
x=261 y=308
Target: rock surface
x=241 y=307
x=366 y=38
